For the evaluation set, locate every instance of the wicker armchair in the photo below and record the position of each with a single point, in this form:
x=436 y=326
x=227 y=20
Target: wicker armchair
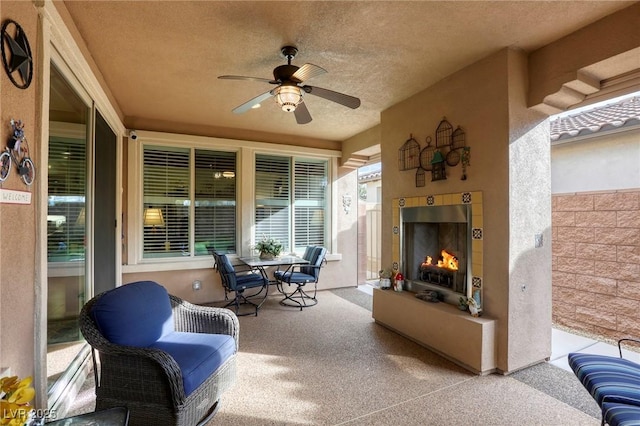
x=148 y=380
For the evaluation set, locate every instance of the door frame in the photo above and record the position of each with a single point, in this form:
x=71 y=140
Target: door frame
x=57 y=45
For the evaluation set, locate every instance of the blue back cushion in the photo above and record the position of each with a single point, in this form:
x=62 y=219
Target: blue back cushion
x=309 y=254
x=316 y=256
x=135 y=314
x=226 y=269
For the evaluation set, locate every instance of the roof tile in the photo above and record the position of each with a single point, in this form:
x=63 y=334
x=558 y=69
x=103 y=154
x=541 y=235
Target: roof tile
x=620 y=114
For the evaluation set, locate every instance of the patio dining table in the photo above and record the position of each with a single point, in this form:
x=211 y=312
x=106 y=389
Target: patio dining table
x=259 y=263
x=280 y=261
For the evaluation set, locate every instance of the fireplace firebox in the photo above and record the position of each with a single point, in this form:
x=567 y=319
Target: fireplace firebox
x=435 y=249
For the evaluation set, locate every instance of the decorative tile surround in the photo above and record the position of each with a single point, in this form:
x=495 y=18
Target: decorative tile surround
x=477 y=245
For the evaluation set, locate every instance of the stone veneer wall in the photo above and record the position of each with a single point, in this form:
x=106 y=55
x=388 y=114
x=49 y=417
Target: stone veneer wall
x=596 y=262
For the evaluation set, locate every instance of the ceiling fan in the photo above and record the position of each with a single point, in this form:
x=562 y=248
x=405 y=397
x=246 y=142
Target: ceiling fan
x=290 y=89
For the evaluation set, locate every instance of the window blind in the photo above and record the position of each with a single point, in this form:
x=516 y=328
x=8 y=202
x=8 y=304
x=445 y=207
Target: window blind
x=66 y=199
x=215 y=201
x=273 y=198
x=310 y=203
x=166 y=201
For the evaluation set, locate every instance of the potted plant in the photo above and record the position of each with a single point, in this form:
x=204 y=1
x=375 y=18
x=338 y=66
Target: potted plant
x=269 y=248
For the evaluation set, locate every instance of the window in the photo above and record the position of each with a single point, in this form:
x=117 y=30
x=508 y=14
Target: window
x=291 y=200
x=273 y=198
x=66 y=203
x=215 y=201
x=310 y=189
x=168 y=216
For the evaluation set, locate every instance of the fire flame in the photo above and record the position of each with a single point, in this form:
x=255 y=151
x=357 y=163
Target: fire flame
x=448 y=261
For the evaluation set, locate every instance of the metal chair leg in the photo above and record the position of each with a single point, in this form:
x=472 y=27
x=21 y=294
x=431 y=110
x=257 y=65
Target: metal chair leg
x=299 y=298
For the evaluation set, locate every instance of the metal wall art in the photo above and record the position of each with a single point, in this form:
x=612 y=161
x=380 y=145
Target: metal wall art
x=426 y=155
x=346 y=203
x=409 y=155
x=420 y=177
x=443 y=133
x=438 y=171
x=16 y=54
x=466 y=157
x=450 y=150
x=458 y=138
x=17 y=151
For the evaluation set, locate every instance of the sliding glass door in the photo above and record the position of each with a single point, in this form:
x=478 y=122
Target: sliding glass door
x=68 y=221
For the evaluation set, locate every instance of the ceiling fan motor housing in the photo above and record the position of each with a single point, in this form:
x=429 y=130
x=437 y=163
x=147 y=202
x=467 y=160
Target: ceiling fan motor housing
x=283 y=73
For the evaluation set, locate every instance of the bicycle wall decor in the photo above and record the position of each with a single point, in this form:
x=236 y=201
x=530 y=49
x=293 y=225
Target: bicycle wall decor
x=17 y=151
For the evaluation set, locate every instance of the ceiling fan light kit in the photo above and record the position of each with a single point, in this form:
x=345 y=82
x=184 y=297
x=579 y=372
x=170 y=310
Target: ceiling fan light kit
x=288 y=97
x=289 y=91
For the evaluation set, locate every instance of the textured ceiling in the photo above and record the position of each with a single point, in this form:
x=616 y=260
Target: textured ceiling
x=161 y=59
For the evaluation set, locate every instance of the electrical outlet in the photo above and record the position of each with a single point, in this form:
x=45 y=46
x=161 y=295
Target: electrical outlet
x=538 y=240
x=197 y=285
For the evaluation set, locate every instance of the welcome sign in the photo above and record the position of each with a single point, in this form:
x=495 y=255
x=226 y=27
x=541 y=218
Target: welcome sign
x=10 y=196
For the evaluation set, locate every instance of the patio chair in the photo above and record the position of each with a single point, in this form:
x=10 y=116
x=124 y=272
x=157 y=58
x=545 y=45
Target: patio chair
x=299 y=276
x=168 y=361
x=614 y=383
x=248 y=288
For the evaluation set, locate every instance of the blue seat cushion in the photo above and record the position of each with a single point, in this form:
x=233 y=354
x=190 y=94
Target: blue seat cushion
x=294 y=277
x=249 y=280
x=616 y=414
x=198 y=355
x=135 y=314
x=584 y=364
x=606 y=376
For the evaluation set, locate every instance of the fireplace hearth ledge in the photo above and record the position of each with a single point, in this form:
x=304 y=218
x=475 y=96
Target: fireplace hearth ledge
x=467 y=341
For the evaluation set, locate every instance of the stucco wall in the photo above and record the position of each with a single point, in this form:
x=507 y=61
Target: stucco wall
x=17 y=222
x=481 y=99
x=529 y=216
x=565 y=71
x=600 y=163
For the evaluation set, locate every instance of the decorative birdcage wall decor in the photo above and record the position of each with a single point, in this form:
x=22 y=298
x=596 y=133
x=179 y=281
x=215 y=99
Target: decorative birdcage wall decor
x=466 y=159
x=426 y=155
x=450 y=149
x=409 y=154
x=458 y=138
x=437 y=167
x=443 y=133
x=452 y=158
x=420 y=177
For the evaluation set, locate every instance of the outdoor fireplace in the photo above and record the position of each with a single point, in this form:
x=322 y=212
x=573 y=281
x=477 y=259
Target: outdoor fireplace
x=435 y=249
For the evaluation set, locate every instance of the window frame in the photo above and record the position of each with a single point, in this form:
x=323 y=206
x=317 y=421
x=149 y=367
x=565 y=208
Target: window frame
x=190 y=199
x=245 y=193
x=294 y=203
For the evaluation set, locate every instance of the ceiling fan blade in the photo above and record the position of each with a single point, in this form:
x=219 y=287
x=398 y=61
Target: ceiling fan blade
x=346 y=100
x=306 y=72
x=302 y=113
x=241 y=77
x=251 y=103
